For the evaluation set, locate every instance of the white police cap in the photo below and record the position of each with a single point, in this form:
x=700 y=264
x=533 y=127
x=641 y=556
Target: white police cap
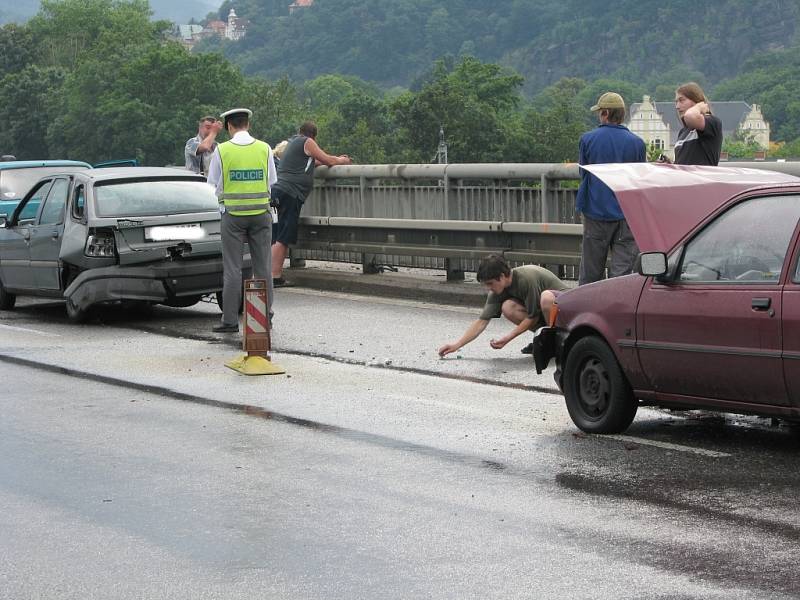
x=236 y=111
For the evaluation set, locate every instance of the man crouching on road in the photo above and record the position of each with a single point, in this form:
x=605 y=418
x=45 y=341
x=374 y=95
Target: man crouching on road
x=523 y=295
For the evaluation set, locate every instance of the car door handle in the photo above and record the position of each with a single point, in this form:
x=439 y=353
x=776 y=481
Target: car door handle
x=761 y=303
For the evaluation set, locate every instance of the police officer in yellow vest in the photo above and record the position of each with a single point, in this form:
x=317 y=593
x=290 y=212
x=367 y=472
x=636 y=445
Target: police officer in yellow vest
x=242 y=170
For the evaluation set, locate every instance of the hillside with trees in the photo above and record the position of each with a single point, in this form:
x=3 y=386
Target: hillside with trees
x=100 y=79
x=393 y=42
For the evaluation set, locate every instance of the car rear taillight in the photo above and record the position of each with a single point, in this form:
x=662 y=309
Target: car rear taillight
x=100 y=244
x=553 y=315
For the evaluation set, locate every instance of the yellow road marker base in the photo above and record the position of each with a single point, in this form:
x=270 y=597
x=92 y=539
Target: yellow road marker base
x=254 y=365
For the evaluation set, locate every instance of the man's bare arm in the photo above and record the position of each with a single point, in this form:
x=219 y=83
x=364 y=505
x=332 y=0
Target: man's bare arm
x=695 y=116
x=523 y=326
x=208 y=142
x=313 y=150
x=470 y=334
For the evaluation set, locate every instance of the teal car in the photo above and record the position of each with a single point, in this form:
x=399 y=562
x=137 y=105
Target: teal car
x=18 y=176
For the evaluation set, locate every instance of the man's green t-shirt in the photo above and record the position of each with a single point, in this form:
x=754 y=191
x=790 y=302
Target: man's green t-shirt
x=527 y=284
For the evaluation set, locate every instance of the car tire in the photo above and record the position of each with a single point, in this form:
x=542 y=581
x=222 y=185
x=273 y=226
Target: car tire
x=599 y=397
x=7 y=300
x=183 y=301
x=75 y=314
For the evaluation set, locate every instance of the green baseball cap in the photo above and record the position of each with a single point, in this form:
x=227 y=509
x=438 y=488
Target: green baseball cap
x=609 y=100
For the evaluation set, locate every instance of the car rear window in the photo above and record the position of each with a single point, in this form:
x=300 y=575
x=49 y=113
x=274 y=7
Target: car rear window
x=147 y=198
x=15 y=183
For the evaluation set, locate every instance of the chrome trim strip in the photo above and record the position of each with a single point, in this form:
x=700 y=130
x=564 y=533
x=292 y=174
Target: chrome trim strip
x=709 y=349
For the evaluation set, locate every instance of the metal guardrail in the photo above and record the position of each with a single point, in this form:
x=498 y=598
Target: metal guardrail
x=456 y=244
x=449 y=216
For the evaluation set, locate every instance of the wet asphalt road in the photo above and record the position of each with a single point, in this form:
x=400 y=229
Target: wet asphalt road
x=134 y=465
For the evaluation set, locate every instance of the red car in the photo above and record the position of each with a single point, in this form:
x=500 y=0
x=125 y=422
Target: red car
x=712 y=318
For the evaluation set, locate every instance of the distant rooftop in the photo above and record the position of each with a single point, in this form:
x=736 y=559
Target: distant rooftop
x=730 y=113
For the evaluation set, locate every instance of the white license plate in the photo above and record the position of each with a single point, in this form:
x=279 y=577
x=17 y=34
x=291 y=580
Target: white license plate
x=163 y=233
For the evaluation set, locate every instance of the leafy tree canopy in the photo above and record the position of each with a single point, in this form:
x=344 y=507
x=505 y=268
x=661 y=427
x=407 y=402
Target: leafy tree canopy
x=773 y=81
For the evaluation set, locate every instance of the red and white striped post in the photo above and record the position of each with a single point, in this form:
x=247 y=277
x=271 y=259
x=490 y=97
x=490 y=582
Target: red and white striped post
x=256 y=339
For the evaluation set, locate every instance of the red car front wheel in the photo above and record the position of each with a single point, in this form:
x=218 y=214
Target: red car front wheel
x=599 y=398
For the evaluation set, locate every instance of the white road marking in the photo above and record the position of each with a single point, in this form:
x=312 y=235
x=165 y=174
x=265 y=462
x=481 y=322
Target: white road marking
x=666 y=445
x=26 y=330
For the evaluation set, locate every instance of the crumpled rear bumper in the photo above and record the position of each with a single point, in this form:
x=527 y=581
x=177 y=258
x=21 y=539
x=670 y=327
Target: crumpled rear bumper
x=154 y=282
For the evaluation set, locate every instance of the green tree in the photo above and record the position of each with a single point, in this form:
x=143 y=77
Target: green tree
x=68 y=31
x=277 y=108
x=551 y=127
x=740 y=146
x=28 y=100
x=473 y=102
x=788 y=150
x=16 y=48
x=361 y=127
x=146 y=108
x=773 y=81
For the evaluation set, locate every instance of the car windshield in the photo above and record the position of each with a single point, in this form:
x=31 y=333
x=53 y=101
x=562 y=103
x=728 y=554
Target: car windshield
x=15 y=183
x=153 y=197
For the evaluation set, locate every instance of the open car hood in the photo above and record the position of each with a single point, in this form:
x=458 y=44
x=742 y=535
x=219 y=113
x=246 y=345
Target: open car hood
x=662 y=203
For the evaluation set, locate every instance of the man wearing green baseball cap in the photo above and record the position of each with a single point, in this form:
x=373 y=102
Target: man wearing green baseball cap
x=604 y=225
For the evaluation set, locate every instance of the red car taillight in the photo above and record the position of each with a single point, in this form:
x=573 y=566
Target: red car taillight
x=553 y=315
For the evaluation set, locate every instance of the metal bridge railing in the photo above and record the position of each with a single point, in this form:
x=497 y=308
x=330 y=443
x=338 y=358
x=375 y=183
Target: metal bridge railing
x=449 y=216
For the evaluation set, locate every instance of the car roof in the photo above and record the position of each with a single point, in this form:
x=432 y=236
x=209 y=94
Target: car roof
x=111 y=173
x=663 y=202
x=28 y=164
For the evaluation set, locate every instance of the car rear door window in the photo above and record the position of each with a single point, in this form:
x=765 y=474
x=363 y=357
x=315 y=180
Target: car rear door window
x=747 y=243
x=53 y=211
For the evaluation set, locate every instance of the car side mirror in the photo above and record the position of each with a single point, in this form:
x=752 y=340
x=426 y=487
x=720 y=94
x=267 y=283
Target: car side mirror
x=651 y=264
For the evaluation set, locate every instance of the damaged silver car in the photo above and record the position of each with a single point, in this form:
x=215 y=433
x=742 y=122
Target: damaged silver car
x=137 y=235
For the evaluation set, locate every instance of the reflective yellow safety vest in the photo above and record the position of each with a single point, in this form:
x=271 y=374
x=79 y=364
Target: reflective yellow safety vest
x=245 y=187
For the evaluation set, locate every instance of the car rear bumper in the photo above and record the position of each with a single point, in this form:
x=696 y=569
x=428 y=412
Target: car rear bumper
x=155 y=282
x=548 y=343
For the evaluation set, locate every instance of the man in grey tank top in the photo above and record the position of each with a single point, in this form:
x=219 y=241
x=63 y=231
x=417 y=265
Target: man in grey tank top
x=295 y=182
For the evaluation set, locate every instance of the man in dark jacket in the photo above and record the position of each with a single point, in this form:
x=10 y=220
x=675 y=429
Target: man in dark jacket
x=295 y=182
x=604 y=225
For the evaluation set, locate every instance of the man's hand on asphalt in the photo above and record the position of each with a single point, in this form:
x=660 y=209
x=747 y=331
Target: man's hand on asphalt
x=497 y=344
x=447 y=349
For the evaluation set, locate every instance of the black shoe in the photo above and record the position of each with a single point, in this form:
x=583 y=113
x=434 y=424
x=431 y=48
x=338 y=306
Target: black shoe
x=223 y=328
x=280 y=282
x=528 y=349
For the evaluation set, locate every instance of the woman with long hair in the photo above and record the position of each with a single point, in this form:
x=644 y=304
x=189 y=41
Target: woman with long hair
x=700 y=138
